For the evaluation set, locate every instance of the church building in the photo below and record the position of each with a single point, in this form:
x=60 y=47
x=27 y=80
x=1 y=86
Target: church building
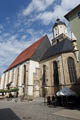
x=45 y=65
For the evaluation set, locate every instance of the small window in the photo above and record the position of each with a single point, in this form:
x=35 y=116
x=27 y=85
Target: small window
x=57 y=40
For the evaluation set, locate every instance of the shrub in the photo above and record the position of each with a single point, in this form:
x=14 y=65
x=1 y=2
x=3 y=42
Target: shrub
x=9 y=90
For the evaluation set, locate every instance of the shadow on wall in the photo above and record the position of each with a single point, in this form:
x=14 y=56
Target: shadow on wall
x=76 y=87
x=8 y=114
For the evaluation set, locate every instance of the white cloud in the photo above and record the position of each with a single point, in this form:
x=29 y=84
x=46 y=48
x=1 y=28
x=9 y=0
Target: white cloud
x=59 y=11
x=24 y=37
x=9 y=49
x=42 y=11
x=37 y=5
x=51 y=16
x=66 y=6
x=1 y=27
x=6 y=35
x=69 y=4
x=46 y=17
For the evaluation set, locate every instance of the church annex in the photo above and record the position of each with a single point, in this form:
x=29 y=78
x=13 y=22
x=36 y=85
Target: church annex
x=45 y=65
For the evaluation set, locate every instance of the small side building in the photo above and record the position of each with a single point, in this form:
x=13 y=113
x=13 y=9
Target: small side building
x=74 y=18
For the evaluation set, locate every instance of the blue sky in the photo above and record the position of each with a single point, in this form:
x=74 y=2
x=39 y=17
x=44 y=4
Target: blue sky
x=22 y=22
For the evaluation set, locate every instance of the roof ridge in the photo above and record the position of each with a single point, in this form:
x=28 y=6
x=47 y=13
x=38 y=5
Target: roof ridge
x=61 y=47
x=33 y=43
x=26 y=54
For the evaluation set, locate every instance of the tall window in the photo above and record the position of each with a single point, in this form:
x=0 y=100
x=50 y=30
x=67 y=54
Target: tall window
x=56 y=74
x=24 y=74
x=44 y=74
x=17 y=76
x=72 y=70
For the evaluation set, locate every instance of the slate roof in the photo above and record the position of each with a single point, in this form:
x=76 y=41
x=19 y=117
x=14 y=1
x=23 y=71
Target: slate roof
x=30 y=52
x=61 y=47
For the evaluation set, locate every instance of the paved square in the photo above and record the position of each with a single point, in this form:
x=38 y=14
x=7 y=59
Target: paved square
x=74 y=114
x=35 y=110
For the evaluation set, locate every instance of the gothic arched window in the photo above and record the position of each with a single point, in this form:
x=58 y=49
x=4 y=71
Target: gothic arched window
x=24 y=74
x=72 y=70
x=44 y=75
x=56 y=74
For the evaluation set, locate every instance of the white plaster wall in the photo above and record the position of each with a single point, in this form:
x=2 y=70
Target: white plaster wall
x=15 y=77
x=59 y=29
x=32 y=69
x=20 y=80
x=66 y=31
x=20 y=75
x=56 y=32
x=6 y=80
x=62 y=29
x=14 y=80
x=2 y=81
x=10 y=76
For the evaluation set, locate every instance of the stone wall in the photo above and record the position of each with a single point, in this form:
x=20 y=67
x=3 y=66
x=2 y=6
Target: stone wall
x=64 y=79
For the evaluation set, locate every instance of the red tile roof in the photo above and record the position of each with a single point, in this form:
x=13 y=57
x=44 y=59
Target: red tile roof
x=26 y=54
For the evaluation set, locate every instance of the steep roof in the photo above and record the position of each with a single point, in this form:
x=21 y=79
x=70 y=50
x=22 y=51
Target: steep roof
x=61 y=47
x=71 y=13
x=27 y=53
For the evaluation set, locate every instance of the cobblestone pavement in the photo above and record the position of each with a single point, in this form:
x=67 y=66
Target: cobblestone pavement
x=36 y=110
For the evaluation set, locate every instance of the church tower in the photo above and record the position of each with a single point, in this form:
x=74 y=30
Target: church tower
x=59 y=28
x=59 y=31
